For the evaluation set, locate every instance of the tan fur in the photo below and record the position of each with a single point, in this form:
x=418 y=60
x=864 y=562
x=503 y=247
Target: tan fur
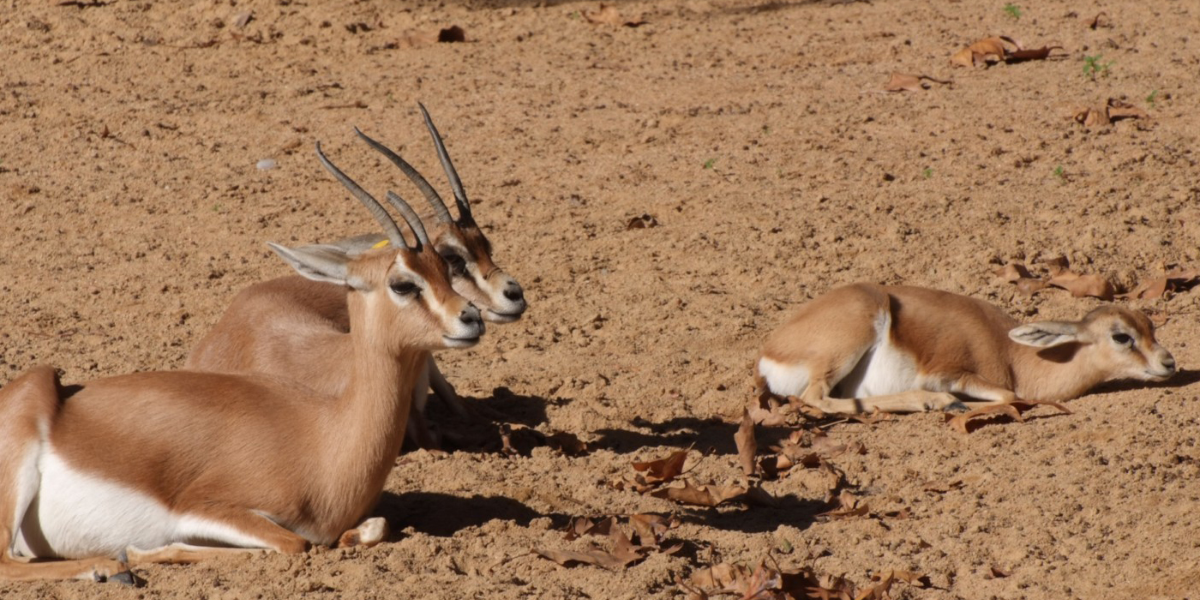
x=958 y=345
x=298 y=329
x=231 y=448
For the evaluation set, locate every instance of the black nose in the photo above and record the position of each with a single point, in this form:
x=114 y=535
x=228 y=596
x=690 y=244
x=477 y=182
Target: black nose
x=470 y=317
x=1169 y=362
x=514 y=293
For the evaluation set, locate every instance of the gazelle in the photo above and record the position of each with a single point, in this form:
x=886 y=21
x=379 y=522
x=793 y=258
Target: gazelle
x=296 y=328
x=867 y=347
x=174 y=463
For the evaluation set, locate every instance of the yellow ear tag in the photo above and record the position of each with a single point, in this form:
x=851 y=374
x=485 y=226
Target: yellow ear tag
x=379 y=245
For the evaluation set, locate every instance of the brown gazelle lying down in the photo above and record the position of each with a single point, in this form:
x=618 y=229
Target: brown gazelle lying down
x=295 y=328
x=155 y=467
x=866 y=347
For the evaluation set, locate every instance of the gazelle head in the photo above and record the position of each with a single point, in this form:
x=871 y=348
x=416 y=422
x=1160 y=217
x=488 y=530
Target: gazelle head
x=460 y=242
x=403 y=291
x=1117 y=342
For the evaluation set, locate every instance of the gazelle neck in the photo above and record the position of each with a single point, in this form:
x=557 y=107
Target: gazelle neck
x=1058 y=373
x=364 y=431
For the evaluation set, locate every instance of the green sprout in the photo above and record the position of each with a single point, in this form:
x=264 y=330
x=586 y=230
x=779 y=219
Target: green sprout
x=708 y=164
x=1094 y=65
x=927 y=172
x=1060 y=174
x=1013 y=11
x=1152 y=99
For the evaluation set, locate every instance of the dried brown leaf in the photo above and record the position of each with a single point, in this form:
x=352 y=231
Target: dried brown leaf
x=847 y=506
x=1042 y=53
x=645 y=221
x=747 y=446
x=904 y=82
x=1012 y=272
x=608 y=14
x=568 y=444
x=1083 y=285
x=1174 y=281
x=1012 y=410
x=700 y=494
x=998 y=573
x=1100 y=20
x=1118 y=110
x=767 y=418
x=651 y=529
x=943 y=487
x=663 y=470
x=1030 y=286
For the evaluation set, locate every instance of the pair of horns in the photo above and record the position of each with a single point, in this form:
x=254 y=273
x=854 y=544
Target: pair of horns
x=406 y=211
x=439 y=207
x=377 y=210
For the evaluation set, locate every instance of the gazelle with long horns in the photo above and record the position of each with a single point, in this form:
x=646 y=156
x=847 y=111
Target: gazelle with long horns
x=163 y=466
x=867 y=347
x=295 y=328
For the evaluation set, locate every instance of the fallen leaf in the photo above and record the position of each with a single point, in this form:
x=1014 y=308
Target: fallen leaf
x=1012 y=410
x=998 y=573
x=420 y=38
x=943 y=487
x=903 y=82
x=645 y=221
x=1042 y=53
x=747 y=446
x=1113 y=110
x=566 y=443
x=1118 y=110
x=1030 y=286
x=1012 y=272
x=847 y=506
x=663 y=470
x=651 y=529
x=1100 y=20
x=1083 y=285
x=608 y=14
x=993 y=49
x=1174 y=281
x=700 y=494
x=767 y=418
x=596 y=557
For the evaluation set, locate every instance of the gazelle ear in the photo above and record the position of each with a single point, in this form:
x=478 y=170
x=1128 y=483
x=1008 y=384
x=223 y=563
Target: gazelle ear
x=320 y=263
x=1046 y=334
x=361 y=243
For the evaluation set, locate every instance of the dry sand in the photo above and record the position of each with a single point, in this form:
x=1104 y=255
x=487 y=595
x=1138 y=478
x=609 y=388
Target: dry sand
x=756 y=134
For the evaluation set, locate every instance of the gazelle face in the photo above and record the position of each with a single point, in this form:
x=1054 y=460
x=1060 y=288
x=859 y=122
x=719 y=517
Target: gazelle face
x=422 y=309
x=468 y=255
x=1125 y=339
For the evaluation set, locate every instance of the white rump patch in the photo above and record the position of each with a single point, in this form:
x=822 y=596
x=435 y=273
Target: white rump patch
x=79 y=515
x=783 y=379
x=883 y=370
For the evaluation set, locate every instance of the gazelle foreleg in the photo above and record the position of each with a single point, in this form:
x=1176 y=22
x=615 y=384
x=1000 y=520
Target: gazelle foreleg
x=446 y=392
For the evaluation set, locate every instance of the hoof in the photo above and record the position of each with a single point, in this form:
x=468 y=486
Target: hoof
x=127 y=578
x=956 y=407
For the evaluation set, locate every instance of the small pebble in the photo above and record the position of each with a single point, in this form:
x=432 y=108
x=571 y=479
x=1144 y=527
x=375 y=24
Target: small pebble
x=266 y=164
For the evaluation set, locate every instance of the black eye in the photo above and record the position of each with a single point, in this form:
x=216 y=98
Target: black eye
x=406 y=288
x=457 y=264
x=1122 y=339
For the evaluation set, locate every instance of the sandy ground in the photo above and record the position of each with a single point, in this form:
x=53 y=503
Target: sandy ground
x=756 y=135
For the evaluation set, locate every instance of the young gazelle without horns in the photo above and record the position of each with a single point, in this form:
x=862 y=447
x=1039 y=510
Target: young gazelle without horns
x=866 y=347
x=296 y=328
x=175 y=463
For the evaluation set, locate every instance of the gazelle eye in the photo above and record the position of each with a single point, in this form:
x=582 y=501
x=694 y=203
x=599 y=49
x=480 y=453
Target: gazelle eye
x=457 y=264
x=406 y=288
x=1122 y=339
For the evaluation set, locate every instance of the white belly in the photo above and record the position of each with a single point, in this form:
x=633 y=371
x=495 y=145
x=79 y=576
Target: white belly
x=77 y=515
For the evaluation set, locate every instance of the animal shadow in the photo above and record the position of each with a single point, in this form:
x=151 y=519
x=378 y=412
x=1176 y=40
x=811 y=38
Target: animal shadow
x=707 y=435
x=1183 y=378
x=442 y=515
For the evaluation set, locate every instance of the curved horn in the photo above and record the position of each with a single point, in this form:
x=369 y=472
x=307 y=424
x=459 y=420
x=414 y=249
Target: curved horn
x=439 y=207
x=377 y=210
x=460 y=196
x=409 y=215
